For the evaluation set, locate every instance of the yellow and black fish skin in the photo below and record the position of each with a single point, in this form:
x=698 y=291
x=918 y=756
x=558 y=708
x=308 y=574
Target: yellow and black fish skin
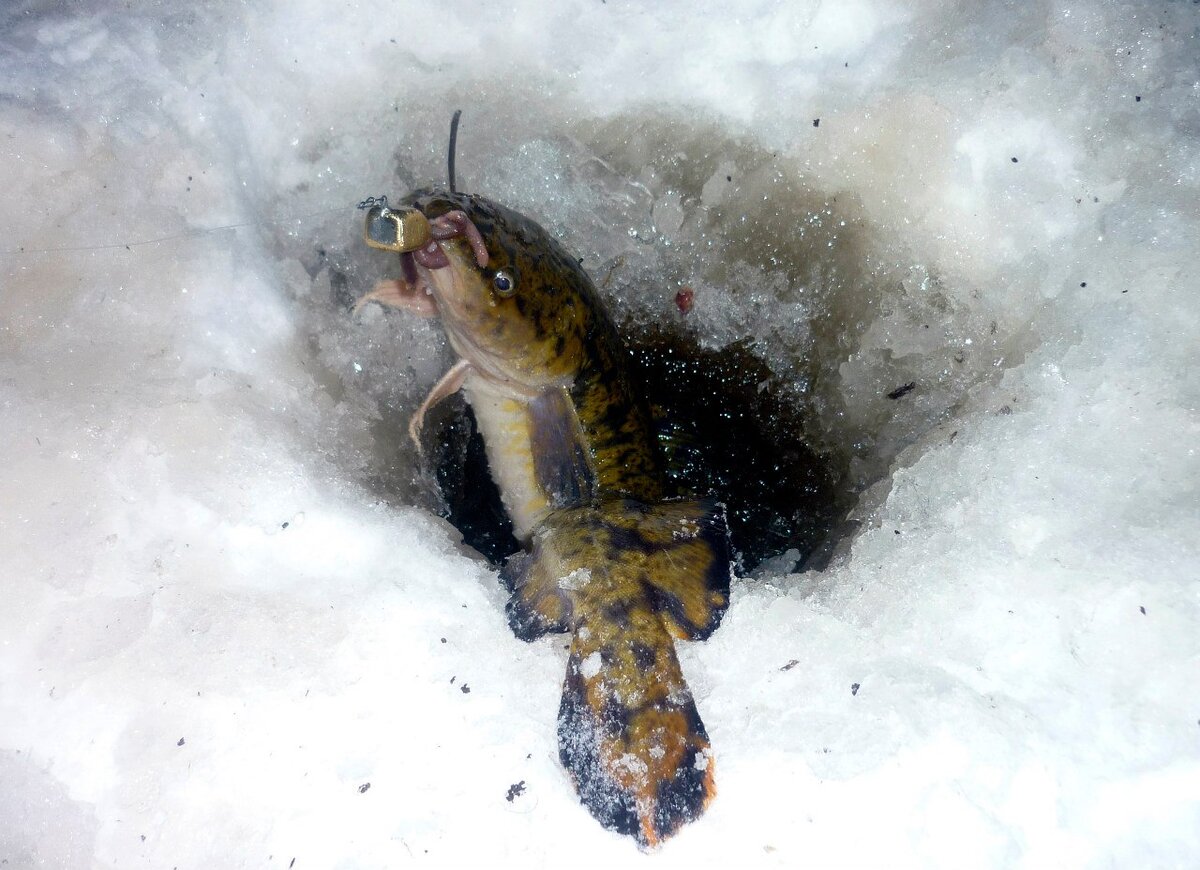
x=624 y=577
x=553 y=330
x=571 y=447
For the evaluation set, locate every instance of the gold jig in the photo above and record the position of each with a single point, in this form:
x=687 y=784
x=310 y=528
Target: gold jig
x=401 y=230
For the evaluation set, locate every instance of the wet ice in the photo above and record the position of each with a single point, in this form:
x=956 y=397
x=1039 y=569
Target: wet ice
x=1021 y=645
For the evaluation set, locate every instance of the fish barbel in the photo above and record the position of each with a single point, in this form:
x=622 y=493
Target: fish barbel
x=572 y=448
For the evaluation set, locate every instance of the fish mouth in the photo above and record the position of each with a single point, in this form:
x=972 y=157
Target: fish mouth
x=411 y=233
x=418 y=239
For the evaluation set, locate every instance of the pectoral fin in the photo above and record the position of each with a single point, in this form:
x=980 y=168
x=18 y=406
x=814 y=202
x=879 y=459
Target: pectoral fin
x=400 y=293
x=449 y=384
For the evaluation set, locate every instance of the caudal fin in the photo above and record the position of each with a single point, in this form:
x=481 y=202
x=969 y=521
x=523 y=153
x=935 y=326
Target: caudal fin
x=625 y=577
x=629 y=733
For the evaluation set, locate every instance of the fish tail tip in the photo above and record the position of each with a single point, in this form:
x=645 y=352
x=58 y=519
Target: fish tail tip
x=629 y=791
x=681 y=798
x=651 y=821
x=675 y=802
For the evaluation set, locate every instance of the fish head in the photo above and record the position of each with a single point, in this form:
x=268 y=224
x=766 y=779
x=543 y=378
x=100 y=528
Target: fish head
x=512 y=301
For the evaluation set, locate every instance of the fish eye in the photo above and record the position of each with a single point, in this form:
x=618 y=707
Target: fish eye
x=504 y=283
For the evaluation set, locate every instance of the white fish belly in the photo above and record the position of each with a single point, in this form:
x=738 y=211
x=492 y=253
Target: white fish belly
x=506 y=426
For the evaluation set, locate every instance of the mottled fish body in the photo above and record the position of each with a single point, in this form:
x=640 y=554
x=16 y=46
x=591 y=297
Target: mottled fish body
x=572 y=450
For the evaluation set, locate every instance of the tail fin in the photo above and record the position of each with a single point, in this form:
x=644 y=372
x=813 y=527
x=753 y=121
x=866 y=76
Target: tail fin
x=629 y=732
x=625 y=577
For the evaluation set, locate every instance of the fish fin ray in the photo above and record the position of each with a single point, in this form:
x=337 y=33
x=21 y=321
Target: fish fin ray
x=399 y=293
x=561 y=461
x=448 y=384
x=687 y=564
x=538 y=605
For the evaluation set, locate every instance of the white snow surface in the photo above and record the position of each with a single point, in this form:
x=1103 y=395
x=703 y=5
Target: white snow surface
x=228 y=603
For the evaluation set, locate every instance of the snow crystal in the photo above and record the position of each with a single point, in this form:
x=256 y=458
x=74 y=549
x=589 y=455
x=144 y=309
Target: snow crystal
x=576 y=580
x=590 y=666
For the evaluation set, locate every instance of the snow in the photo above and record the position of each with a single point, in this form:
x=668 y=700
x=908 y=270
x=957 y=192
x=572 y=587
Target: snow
x=229 y=604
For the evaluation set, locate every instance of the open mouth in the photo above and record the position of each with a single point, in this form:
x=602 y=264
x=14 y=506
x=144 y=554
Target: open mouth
x=418 y=240
x=415 y=237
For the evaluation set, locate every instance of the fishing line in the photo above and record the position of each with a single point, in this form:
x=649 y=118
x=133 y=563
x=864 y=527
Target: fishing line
x=450 y=155
x=187 y=234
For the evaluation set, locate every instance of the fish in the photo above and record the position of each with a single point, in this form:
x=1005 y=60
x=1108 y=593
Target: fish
x=606 y=556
